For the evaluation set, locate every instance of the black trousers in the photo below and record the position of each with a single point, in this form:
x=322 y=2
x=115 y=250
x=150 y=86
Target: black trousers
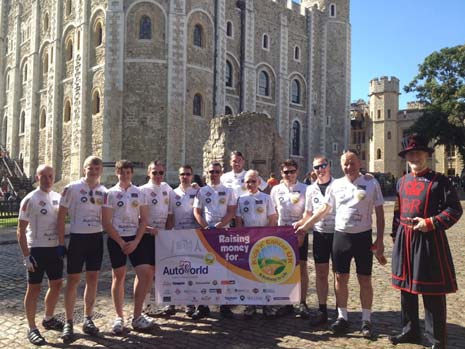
x=435 y=316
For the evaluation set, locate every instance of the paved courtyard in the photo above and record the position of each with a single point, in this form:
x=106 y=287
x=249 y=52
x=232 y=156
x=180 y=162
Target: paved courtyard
x=181 y=332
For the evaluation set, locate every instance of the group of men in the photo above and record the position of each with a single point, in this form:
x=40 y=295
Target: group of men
x=338 y=211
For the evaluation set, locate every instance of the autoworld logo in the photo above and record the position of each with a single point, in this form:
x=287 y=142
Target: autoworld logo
x=185 y=268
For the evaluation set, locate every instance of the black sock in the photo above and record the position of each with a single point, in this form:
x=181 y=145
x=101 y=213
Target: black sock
x=323 y=308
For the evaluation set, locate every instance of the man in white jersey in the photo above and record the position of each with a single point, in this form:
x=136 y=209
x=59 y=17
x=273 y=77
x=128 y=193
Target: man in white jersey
x=255 y=209
x=323 y=233
x=82 y=200
x=42 y=251
x=157 y=193
x=181 y=208
x=124 y=217
x=214 y=207
x=289 y=200
x=234 y=179
x=353 y=197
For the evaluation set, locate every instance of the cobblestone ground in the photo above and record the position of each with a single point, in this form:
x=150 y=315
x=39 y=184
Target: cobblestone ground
x=181 y=332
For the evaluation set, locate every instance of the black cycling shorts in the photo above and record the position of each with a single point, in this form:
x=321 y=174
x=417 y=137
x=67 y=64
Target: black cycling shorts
x=141 y=255
x=84 y=249
x=352 y=245
x=322 y=246
x=47 y=262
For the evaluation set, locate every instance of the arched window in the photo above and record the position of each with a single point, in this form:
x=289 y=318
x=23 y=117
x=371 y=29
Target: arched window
x=332 y=10
x=265 y=43
x=7 y=81
x=67 y=111
x=229 y=29
x=45 y=63
x=68 y=8
x=378 y=154
x=295 y=138
x=43 y=119
x=98 y=34
x=263 y=84
x=46 y=21
x=96 y=102
x=22 y=123
x=25 y=73
x=197 y=105
x=227 y=111
x=229 y=74
x=389 y=135
x=69 y=50
x=198 y=33
x=4 y=130
x=7 y=45
x=297 y=53
x=145 y=30
x=295 y=92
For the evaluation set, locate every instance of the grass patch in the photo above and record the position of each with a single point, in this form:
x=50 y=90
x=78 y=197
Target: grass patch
x=8 y=222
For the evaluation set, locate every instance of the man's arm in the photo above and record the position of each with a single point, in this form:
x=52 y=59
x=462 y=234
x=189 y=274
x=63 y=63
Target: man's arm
x=230 y=213
x=379 y=243
x=273 y=220
x=143 y=219
x=107 y=223
x=21 y=236
x=62 y=213
x=199 y=218
x=170 y=222
x=319 y=214
x=239 y=222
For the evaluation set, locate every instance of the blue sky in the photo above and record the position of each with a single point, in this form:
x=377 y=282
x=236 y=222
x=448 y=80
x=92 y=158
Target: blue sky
x=393 y=37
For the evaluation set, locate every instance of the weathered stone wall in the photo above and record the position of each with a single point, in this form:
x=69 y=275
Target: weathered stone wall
x=253 y=134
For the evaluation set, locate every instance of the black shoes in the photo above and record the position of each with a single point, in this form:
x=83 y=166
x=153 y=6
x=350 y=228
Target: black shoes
x=225 y=311
x=319 y=318
x=405 y=337
x=53 y=324
x=169 y=310
x=366 y=329
x=68 y=333
x=89 y=327
x=340 y=326
x=35 y=337
x=201 y=312
x=190 y=310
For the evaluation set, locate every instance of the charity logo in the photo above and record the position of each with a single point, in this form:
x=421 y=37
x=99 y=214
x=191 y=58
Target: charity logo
x=209 y=259
x=272 y=260
x=295 y=197
x=361 y=194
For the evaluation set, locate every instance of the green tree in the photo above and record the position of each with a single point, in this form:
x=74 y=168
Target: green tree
x=440 y=86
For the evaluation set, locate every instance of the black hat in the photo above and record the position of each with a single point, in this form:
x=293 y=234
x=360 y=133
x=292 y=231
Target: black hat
x=415 y=142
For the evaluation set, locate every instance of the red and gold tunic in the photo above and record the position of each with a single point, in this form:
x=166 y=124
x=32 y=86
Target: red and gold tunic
x=421 y=261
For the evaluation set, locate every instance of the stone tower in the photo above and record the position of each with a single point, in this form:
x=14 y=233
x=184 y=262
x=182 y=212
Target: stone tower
x=384 y=107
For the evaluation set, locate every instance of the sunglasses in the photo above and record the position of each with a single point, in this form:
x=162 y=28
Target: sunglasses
x=185 y=174
x=214 y=171
x=317 y=167
x=251 y=181
x=156 y=173
x=289 y=172
x=91 y=196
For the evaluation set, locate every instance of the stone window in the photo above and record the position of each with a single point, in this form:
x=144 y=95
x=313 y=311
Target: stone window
x=46 y=21
x=25 y=73
x=43 y=119
x=96 y=102
x=379 y=113
x=227 y=110
x=69 y=50
x=229 y=74
x=389 y=113
x=197 y=105
x=332 y=10
x=22 y=123
x=265 y=42
x=198 y=35
x=296 y=138
x=7 y=81
x=297 y=53
x=295 y=91
x=5 y=126
x=67 y=111
x=335 y=148
x=378 y=154
x=389 y=135
x=229 y=29
x=263 y=84
x=145 y=28
x=68 y=8
x=98 y=34
x=45 y=63
x=363 y=155
x=7 y=44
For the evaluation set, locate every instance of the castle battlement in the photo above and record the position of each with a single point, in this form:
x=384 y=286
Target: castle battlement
x=384 y=84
